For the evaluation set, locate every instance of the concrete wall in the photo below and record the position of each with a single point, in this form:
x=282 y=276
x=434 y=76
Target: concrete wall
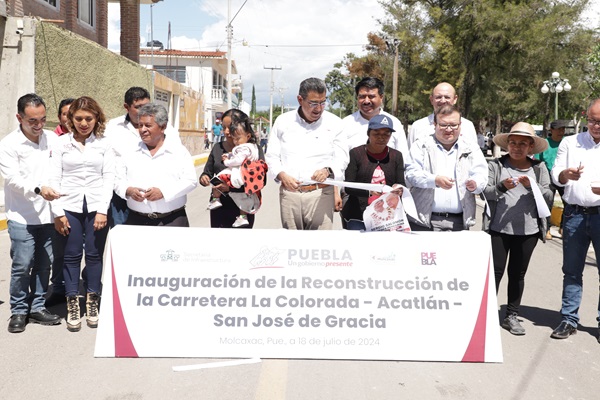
x=17 y=68
x=68 y=65
x=56 y=63
x=185 y=111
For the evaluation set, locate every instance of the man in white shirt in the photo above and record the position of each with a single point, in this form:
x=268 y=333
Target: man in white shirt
x=441 y=95
x=577 y=169
x=369 y=94
x=446 y=172
x=24 y=159
x=156 y=178
x=124 y=136
x=307 y=146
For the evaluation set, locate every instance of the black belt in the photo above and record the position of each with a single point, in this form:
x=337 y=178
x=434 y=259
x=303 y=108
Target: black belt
x=155 y=215
x=585 y=210
x=446 y=214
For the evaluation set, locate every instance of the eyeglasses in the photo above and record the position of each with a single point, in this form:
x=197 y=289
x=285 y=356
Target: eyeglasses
x=446 y=126
x=593 y=122
x=315 y=104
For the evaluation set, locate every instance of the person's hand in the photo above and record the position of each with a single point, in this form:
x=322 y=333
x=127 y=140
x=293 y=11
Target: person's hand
x=337 y=200
x=204 y=180
x=288 y=182
x=135 y=193
x=444 y=182
x=570 y=174
x=397 y=188
x=320 y=175
x=524 y=180
x=61 y=224
x=224 y=157
x=100 y=221
x=153 y=194
x=596 y=190
x=510 y=183
x=49 y=194
x=471 y=185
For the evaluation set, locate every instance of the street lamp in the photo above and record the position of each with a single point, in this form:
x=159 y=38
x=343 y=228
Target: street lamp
x=556 y=85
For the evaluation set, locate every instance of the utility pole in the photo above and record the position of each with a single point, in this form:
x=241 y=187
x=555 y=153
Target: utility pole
x=395 y=81
x=229 y=39
x=271 y=96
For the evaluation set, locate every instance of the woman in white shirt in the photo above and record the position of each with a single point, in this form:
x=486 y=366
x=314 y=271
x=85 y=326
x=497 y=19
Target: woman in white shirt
x=82 y=172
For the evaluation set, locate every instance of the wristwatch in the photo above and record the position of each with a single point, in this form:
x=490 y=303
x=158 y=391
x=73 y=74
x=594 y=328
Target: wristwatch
x=37 y=190
x=330 y=171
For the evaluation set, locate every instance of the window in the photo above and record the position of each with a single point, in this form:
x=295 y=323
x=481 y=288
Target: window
x=177 y=73
x=85 y=11
x=53 y=3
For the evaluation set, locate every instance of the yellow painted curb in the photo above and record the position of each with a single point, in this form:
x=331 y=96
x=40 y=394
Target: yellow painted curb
x=556 y=215
x=200 y=159
x=3 y=224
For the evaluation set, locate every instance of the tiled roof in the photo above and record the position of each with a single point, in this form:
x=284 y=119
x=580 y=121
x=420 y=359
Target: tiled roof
x=184 y=53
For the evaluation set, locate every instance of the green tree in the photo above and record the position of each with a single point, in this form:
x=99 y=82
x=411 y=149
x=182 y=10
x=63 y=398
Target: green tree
x=497 y=53
x=253 y=105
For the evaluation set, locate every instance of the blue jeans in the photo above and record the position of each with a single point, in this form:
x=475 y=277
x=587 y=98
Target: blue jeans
x=82 y=229
x=355 y=225
x=578 y=231
x=31 y=254
x=118 y=211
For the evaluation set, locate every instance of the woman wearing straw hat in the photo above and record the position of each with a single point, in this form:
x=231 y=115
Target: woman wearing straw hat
x=513 y=224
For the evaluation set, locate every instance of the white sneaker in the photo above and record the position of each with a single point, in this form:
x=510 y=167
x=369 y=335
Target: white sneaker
x=240 y=221
x=214 y=204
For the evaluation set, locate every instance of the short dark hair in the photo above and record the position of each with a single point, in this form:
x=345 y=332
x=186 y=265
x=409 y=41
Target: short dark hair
x=64 y=102
x=135 y=93
x=30 y=99
x=446 y=109
x=311 y=85
x=370 y=82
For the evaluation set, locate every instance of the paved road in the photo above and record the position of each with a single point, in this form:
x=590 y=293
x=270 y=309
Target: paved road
x=52 y=363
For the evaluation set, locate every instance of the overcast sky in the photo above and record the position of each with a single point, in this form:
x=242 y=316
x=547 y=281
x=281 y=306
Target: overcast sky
x=303 y=37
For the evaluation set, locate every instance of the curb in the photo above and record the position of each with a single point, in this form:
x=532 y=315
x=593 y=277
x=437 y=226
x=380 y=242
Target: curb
x=198 y=160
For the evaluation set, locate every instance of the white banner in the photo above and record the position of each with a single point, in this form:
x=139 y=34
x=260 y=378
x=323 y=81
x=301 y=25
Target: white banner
x=227 y=293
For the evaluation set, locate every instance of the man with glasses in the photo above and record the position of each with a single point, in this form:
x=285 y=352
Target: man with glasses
x=24 y=160
x=446 y=172
x=577 y=169
x=307 y=146
x=441 y=95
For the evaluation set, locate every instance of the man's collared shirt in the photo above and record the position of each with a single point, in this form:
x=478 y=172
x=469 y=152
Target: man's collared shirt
x=79 y=171
x=356 y=126
x=24 y=165
x=424 y=127
x=171 y=170
x=574 y=151
x=125 y=137
x=299 y=148
x=446 y=200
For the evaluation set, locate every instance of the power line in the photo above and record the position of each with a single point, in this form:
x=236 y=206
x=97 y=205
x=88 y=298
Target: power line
x=308 y=45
